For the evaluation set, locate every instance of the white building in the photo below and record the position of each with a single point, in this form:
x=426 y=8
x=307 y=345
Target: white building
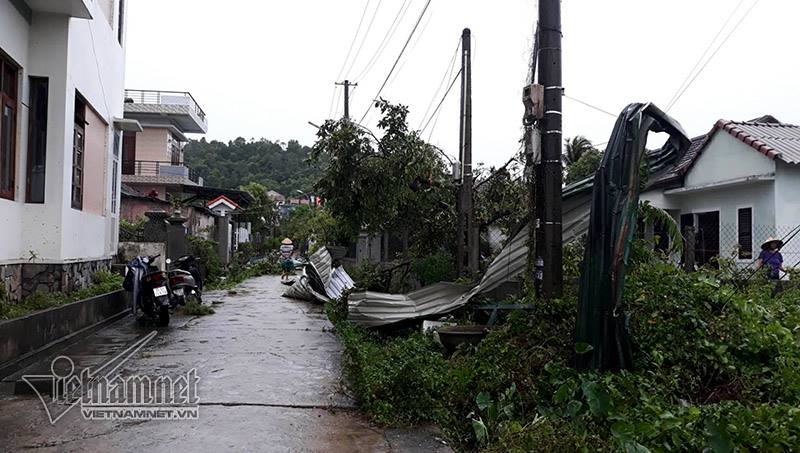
x=737 y=185
x=62 y=65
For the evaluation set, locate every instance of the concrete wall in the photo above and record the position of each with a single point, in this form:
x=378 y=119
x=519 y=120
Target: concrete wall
x=24 y=336
x=14 y=32
x=727 y=158
x=130 y=250
x=133 y=210
x=153 y=144
x=74 y=54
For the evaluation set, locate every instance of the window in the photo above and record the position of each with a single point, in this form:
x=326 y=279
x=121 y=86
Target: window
x=8 y=126
x=745 y=222
x=129 y=153
x=115 y=170
x=78 y=147
x=37 y=140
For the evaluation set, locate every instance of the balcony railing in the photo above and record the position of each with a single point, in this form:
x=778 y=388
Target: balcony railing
x=165 y=98
x=159 y=168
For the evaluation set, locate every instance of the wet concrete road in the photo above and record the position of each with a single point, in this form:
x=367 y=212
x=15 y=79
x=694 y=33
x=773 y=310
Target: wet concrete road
x=269 y=380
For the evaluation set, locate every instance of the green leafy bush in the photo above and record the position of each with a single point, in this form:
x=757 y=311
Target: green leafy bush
x=195 y=309
x=206 y=252
x=434 y=268
x=715 y=370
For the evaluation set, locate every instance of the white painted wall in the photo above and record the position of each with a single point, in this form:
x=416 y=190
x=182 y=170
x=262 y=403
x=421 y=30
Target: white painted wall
x=75 y=54
x=14 y=42
x=787 y=208
x=727 y=158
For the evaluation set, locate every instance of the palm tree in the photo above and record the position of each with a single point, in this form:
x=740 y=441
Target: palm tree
x=575 y=147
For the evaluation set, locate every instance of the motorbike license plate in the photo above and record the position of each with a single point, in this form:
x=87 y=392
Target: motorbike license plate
x=160 y=291
x=178 y=291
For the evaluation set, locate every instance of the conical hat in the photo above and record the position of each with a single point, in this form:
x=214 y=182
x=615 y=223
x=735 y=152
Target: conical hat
x=770 y=240
x=286 y=241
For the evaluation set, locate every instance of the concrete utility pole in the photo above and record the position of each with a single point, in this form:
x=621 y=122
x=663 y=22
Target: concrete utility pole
x=548 y=172
x=467 y=234
x=347 y=84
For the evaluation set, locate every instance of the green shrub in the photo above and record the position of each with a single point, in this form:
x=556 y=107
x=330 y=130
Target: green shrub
x=206 y=252
x=195 y=309
x=103 y=282
x=435 y=268
x=715 y=370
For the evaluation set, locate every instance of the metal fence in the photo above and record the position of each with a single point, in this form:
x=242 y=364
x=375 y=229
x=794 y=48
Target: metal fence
x=158 y=97
x=159 y=168
x=728 y=241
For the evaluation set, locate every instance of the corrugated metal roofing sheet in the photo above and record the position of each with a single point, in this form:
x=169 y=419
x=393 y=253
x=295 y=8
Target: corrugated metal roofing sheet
x=320 y=281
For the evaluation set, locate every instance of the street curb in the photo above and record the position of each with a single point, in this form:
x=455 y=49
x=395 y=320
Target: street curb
x=31 y=323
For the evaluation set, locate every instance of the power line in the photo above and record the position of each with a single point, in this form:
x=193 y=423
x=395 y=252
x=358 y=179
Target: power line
x=447 y=72
x=590 y=106
x=397 y=60
x=398 y=18
x=364 y=38
x=353 y=42
x=455 y=79
x=705 y=52
x=333 y=100
x=413 y=47
x=735 y=27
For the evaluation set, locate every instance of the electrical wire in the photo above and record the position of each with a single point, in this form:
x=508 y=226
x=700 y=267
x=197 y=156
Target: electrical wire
x=705 y=53
x=445 y=76
x=733 y=30
x=333 y=100
x=398 y=18
x=364 y=38
x=590 y=106
x=455 y=79
x=397 y=60
x=353 y=42
x=417 y=39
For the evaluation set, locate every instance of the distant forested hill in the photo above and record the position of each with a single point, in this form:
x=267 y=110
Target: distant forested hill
x=279 y=166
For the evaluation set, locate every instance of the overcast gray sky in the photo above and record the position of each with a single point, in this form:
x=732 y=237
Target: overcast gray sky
x=266 y=68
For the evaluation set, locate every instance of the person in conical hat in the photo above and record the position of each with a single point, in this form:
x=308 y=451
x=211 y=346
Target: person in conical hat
x=287 y=264
x=770 y=255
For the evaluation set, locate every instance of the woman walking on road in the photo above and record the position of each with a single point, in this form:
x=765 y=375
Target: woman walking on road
x=287 y=265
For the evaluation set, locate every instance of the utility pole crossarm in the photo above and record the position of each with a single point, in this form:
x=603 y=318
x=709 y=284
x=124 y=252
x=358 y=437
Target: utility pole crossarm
x=347 y=84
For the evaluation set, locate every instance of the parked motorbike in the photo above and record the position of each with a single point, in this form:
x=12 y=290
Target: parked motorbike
x=185 y=279
x=150 y=287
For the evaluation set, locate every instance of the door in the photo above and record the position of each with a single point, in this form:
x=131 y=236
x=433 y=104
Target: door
x=129 y=153
x=707 y=239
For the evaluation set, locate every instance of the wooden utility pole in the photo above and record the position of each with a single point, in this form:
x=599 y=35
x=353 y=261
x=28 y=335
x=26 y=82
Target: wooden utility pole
x=467 y=237
x=548 y=171
x=347 y=84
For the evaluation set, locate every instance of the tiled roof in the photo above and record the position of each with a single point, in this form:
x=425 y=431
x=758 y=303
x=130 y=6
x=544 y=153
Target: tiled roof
x=765 y=134
x=776 y=141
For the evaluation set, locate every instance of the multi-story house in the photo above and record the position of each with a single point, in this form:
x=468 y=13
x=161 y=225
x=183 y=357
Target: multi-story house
x=61 y=124
x=153 y=166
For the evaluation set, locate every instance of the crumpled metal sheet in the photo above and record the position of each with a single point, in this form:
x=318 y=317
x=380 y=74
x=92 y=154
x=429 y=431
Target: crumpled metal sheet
x=319 y=281
x=615 y=200
x=374 y=309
